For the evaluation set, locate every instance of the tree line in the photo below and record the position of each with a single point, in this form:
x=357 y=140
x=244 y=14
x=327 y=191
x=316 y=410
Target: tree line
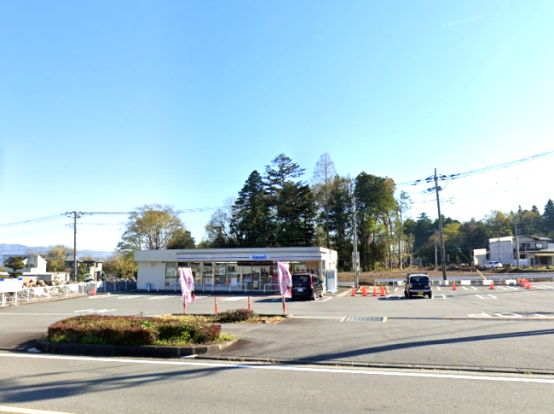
x=277 y=208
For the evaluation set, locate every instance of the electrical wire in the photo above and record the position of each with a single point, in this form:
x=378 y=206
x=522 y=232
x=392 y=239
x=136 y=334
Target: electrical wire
x=478 y=170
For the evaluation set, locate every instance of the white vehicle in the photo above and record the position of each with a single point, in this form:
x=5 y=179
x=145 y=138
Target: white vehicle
x=493 y=264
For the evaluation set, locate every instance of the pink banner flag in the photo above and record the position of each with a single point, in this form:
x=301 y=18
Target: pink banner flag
x=285 y=279
x=187 y=284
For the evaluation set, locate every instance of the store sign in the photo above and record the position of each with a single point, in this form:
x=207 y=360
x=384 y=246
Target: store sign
x=255 y=263
x=259 y=257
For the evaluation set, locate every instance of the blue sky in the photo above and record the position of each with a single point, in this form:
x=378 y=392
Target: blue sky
x=110 y=105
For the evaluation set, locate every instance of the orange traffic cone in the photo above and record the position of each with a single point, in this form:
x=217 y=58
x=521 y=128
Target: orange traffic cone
x=453 y=285
x=353 y=292
x=382 y=291
x=518 y=281
x=364 y=291
x=491 y=286
x=374 y=291
x=528 y=285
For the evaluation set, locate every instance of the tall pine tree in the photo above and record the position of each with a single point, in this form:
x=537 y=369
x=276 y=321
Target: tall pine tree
x=251 y=224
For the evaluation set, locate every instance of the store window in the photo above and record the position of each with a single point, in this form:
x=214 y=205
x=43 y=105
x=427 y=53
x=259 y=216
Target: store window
x=207 y=274
x=233 y=273
x=171 y=275
x=221 y=274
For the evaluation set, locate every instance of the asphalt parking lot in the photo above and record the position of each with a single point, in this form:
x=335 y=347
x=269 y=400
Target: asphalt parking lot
x=505 y=328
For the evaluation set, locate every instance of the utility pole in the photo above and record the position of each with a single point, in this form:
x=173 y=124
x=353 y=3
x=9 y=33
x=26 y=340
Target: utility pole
x=76 y=215
x=443 y=255
x=355 y=256
x=517 y=243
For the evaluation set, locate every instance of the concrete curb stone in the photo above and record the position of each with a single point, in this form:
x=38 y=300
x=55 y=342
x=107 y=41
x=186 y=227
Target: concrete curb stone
x=152 y=351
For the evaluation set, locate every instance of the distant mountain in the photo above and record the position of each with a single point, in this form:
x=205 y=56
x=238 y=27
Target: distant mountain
x=22 y=250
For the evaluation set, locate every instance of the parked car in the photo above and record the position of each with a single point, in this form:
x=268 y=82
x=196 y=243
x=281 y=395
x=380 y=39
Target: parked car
x=306 y=286
x=417 y=284
x=493 y=264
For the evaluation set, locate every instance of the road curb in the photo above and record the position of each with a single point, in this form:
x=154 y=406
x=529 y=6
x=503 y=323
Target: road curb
x=128 y=350
x=384 y=365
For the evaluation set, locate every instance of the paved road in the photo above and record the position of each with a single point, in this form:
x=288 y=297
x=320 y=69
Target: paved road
x=508 y=328
x=116 y=385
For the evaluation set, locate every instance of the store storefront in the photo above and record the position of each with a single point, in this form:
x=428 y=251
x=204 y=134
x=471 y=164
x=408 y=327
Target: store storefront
x=233 y=270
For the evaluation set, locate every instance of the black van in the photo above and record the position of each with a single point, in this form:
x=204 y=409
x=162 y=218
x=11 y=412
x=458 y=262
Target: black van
x=306 y=286
x=417 y=284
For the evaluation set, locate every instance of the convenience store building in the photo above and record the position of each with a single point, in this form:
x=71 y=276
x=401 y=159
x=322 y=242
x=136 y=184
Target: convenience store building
x=233 y=270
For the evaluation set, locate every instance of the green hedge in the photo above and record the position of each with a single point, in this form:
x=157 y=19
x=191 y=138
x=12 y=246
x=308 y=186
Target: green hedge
x=133 y=330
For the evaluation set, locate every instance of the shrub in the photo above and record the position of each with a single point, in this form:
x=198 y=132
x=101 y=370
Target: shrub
x=236 y=315
x=132 y=330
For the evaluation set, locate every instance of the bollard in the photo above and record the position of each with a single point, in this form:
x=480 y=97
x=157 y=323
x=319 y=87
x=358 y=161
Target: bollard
x=249 y=303
x=216 y=307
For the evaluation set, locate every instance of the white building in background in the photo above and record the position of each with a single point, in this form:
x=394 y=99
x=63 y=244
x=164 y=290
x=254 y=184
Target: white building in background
x=479 y=257
x=520 y=250
x=33 y=263
x=233 y=270
x=501 y=249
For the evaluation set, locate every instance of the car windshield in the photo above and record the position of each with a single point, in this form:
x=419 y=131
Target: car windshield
x=419 y=280
x=301 y=280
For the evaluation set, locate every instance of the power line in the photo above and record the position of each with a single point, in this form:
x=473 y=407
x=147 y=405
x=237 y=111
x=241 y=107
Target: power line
x=33 y=221
x=478 y=170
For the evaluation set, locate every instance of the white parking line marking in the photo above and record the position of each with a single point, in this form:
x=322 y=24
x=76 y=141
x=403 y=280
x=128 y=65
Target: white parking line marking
x=294 y=368
x=160 y=297
x=488 y=296
x=508 y=315
x=464 y=288
x=479 y=315
x=6 y=409
x=473 y=287
x=326 y=299
x=234 y=299
x=94 y=310
x=441 y=296
x=439 y=288
x=129 y=297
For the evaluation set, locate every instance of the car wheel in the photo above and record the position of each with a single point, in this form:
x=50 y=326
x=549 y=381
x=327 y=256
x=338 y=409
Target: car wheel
x=405 y=294
x=430 y=295
x=314 y=295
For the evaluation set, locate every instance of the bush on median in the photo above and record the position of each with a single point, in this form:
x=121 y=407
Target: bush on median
x=133 y=330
